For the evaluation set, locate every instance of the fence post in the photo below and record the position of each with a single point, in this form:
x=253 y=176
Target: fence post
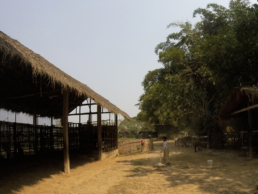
x=51 y=134
x=99 y=132
x=35 y=134
x=250 y=121
x=65 y=131
x=14 y=138
x=208 y=139
x=116 y=125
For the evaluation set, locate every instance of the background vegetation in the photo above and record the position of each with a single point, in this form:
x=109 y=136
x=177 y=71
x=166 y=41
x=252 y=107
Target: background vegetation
x=201 y=65
x=135 y=126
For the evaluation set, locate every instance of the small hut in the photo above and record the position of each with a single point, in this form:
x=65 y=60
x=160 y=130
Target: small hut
x=242 y=105
x=30 y=84
x=145 y=134
x=124 y=134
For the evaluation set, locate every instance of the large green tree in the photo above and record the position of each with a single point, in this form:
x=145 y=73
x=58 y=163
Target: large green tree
x=201 y=64
x=134 y=126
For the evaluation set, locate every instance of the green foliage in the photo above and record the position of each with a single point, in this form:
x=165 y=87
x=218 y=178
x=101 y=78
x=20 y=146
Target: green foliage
x=201 y=65
x=134 y=126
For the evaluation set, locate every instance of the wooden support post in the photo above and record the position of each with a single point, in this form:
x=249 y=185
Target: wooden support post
x=65 y=132
x=51 y=135
x=116 y=126
x=14 y=137
x=80 y=114
x=99 y=133
x=250 y=132
x=208 y=139
x=35 y=133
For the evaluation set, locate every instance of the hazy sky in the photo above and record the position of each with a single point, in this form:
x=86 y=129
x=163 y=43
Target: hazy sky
x=106 y=44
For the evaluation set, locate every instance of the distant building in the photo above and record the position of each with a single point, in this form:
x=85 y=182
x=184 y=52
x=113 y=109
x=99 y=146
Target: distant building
x=125 y=134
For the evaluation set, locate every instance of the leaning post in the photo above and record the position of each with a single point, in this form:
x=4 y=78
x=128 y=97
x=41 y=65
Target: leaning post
x=99 y=132
x=65 y=131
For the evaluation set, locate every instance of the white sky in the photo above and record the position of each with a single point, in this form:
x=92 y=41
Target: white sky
x=108 y=45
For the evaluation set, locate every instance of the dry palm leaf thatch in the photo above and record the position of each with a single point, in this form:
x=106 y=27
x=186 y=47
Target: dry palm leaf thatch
x=15 y=55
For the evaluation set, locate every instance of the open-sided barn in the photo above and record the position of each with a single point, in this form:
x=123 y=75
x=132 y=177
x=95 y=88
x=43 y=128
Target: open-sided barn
x=242 y=105
x=32 y=85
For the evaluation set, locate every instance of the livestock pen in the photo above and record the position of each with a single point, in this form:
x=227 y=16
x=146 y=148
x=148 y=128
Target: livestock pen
x=30 y=84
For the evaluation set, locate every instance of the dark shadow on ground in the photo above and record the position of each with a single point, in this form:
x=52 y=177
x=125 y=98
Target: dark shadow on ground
x=230 y=173
x=29 y=170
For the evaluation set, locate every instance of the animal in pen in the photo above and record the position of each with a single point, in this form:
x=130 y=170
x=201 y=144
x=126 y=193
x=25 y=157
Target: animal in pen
x=183 y=142
x=197 y=144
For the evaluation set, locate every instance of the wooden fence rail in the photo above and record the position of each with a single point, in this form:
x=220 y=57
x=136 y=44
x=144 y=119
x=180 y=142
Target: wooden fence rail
x=33 y=139
x=133 y=146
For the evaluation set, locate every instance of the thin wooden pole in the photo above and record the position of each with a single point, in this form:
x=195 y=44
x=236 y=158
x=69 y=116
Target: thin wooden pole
x=80 y=114
x=208 y=139
x=116 y=125
x=245 y=109
x=65 y=131
x=250 y=132
x=99 y=133
x=51 y=135
x=35 y=133
x=14 y=137
x=90 y=118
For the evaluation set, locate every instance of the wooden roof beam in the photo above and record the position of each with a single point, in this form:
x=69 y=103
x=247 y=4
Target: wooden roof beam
x=245 y=109
x=89 y=113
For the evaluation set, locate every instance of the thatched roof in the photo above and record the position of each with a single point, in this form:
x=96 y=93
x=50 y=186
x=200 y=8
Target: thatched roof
x=251 y=92
x=20 y=64
x=238 y=99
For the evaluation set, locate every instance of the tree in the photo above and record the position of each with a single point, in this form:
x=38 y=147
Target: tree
x=201 y=64
x=134 y=126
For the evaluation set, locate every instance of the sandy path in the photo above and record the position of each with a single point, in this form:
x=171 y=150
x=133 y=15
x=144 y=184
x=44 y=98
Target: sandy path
x=135 y=174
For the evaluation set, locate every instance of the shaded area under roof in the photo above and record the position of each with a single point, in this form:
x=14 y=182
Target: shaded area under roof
x=238 y=99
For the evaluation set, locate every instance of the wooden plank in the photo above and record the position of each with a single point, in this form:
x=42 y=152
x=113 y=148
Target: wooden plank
x=87 y=113
x=245 y=109
x=89 y=104
x=65 y=131
x=99 y=132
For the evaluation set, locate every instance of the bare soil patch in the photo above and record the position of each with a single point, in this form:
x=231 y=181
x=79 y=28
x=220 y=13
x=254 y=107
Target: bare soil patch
x=133 y=174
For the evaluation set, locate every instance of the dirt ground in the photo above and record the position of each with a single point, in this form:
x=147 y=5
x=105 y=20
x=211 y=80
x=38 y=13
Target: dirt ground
x=133 y=174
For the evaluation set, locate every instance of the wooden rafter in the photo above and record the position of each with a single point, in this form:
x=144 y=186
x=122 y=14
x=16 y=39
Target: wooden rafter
x=87 y=113
x=245 y=109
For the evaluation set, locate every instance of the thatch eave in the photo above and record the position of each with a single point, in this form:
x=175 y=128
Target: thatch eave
x=11 y=49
